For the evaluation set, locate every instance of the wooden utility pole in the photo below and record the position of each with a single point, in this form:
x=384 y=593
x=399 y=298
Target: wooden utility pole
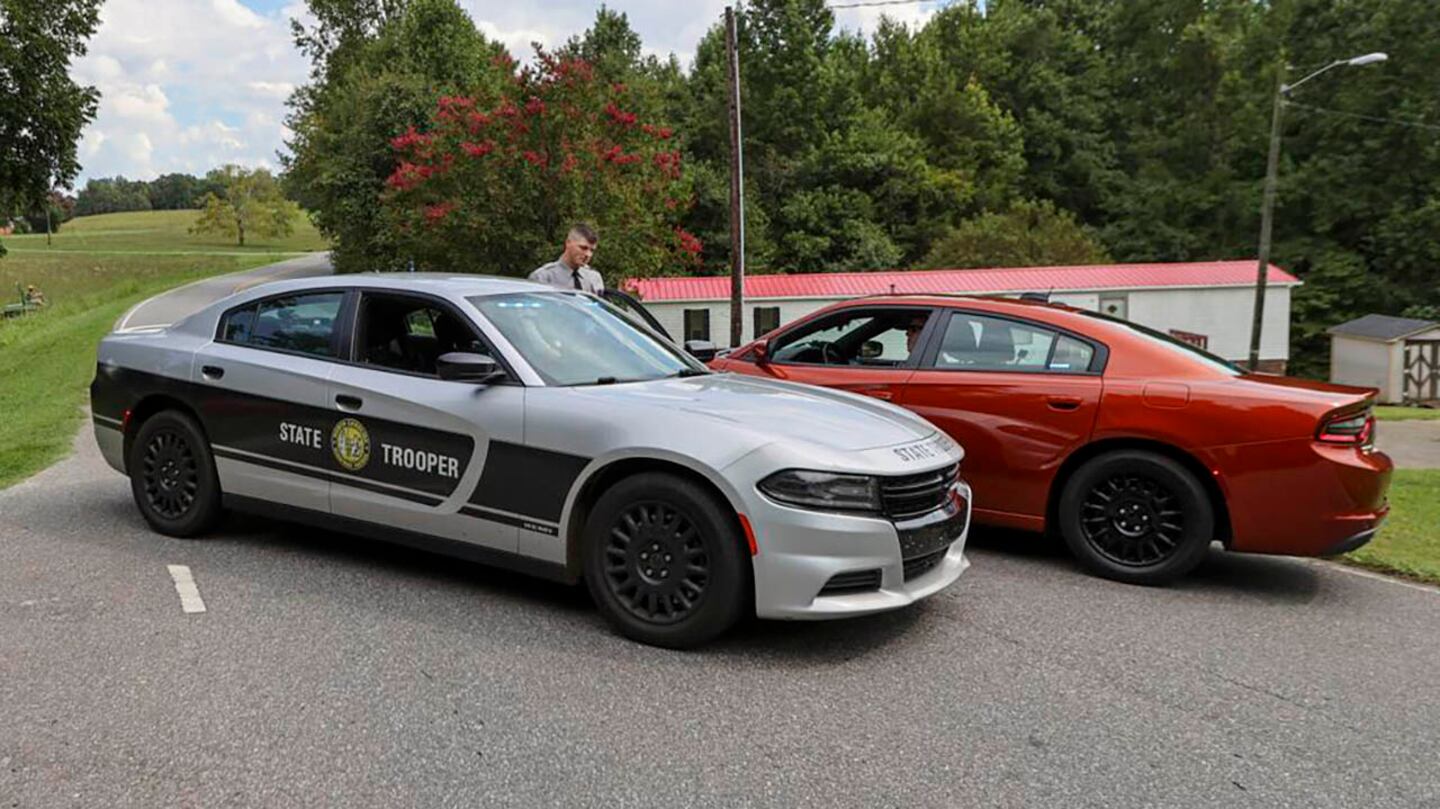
x=737 y=192
x=1267 y=216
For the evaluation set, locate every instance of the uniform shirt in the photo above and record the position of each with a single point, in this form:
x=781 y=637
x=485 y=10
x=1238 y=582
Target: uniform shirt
x=557 y=274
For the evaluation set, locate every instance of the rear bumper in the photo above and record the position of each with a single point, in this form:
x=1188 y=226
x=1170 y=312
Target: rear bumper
x=1350 y=544
x=1304 y=498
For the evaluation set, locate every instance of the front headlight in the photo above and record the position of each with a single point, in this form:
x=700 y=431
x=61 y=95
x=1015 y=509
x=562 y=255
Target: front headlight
x=826 y=491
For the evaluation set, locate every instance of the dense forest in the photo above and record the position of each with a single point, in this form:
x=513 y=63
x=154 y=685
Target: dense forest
x=999 y=133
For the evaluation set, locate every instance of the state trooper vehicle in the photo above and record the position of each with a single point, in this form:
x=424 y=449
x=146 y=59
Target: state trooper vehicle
x=538 y=429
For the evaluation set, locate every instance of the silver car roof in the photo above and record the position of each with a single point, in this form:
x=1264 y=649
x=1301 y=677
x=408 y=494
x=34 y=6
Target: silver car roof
x=441 y=283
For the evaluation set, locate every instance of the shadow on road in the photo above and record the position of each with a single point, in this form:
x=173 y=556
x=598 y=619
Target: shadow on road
x=1275 y=579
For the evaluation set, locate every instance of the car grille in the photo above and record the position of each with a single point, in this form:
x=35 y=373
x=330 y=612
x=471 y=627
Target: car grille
x=854 y=581
x=921 y=565
x=914 y=495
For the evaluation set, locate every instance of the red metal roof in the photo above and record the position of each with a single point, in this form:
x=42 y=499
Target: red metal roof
x=925 y=282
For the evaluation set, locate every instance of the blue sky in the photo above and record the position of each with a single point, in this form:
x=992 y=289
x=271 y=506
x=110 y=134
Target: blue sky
x=187 y=85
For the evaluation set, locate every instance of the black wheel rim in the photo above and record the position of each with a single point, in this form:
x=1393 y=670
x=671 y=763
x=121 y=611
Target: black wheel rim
x=656 y=564
x=170 y=474
x=1132 y=520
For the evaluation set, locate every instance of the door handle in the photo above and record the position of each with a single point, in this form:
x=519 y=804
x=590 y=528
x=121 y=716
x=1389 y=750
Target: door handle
x=212 y=371
x=346 y=402
x=878 y=392
x=1063 y=402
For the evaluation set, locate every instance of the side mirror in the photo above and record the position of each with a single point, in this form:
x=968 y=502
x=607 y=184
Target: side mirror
x=761 y=351
x=870 y=349
x=702 y=350
x=460 y=366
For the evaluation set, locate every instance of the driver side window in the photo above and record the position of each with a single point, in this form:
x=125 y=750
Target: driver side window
x=861 y=337
x=408 y=334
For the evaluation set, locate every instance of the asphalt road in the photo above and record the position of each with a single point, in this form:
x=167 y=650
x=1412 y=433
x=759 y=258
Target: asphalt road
x=164 y=309
x=333 y=671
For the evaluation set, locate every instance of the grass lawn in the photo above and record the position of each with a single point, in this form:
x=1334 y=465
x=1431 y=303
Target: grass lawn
x=1409 y=542
x=48 y=359
x=1397 y=413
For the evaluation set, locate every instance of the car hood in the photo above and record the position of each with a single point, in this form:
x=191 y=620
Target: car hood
x=784 y=410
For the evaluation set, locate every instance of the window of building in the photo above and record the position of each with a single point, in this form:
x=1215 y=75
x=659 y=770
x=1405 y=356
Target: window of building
x=697 y=324
x=767 y=319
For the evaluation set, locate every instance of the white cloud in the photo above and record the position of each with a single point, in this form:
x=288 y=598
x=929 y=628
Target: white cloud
x=186 y=85
x=189 y=84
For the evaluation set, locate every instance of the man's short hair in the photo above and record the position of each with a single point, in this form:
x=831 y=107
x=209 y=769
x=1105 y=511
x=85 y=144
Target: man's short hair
x=584 y=232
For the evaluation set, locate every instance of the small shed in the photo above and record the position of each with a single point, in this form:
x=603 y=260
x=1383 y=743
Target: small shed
x=1398 y=355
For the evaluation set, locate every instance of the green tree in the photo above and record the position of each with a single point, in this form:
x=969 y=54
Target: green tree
x=44 y=110
x=495 y=181
x=176 y=192
x=112 y=195
x=1030 y=234
x=250 y=203
x=377 y=67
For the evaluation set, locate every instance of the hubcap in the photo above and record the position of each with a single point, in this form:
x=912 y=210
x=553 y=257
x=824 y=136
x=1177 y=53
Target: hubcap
x=1132 y=520
x=655 y=563
x=169 y=474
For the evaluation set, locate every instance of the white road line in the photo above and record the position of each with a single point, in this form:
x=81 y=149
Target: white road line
x=1366 y=574
x=185 y=586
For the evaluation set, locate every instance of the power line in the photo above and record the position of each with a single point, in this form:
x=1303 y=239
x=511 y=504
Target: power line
x=880 y=3
x=1372 y=118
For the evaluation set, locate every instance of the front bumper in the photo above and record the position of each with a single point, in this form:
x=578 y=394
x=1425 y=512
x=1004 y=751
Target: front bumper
x=801 y=551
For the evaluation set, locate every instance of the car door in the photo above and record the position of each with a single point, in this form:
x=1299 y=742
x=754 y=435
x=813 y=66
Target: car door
x=1019 y=396
x=261 y=395
x=415 y=449
x=630 y=305
x=871 y=350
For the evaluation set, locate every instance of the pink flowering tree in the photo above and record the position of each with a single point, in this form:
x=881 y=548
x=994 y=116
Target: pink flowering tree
x=492 y=184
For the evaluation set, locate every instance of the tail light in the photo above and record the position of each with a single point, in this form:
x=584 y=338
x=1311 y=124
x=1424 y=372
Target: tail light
x=1347 y=428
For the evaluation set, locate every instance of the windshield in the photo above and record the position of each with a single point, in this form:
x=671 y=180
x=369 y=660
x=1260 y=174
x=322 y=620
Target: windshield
x=1170 y=343
x=572 y=339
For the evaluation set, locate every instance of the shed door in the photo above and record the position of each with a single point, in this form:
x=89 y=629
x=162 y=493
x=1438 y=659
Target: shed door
x=1422 y=369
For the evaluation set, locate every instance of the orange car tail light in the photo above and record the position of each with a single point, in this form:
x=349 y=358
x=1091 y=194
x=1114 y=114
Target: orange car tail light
x=1347 y=428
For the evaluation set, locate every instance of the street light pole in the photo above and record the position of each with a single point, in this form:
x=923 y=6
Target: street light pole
x=1272 y=170
x=1267 y=216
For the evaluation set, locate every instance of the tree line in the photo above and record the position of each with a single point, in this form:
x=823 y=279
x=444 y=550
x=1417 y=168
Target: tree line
x=1003 y=133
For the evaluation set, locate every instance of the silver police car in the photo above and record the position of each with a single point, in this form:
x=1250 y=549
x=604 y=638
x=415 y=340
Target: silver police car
x=537 y=429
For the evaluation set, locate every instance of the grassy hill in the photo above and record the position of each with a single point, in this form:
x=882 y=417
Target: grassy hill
x=96 y=268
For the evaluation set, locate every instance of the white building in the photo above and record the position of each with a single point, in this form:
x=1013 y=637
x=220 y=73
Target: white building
x=1208 y=303
x=1398 y=355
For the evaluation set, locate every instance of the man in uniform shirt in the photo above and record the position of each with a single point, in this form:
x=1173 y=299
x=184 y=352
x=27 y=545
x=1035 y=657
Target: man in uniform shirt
x=572 y=269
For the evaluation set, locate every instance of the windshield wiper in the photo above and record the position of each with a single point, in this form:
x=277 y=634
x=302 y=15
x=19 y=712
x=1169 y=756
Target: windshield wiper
x=684 y=372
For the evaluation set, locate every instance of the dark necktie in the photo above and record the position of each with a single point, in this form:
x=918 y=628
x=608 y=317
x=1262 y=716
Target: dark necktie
x=575 y=274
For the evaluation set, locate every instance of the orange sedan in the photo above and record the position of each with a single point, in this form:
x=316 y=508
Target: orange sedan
x=1136 y=448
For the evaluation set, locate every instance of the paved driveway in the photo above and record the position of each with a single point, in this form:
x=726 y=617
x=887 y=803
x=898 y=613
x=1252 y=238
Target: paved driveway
x=169 y=307
x=1412 y=444
x=333 y=671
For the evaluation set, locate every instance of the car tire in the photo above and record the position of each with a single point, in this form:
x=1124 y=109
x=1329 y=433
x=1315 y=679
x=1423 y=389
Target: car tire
x=1137 y=517
x=172 y=475
x=663 y=561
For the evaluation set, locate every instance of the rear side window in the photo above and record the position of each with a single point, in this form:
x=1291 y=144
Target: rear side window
x=1071 y=355
x=975 y=342
x=235 y=327
x=301 y=323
